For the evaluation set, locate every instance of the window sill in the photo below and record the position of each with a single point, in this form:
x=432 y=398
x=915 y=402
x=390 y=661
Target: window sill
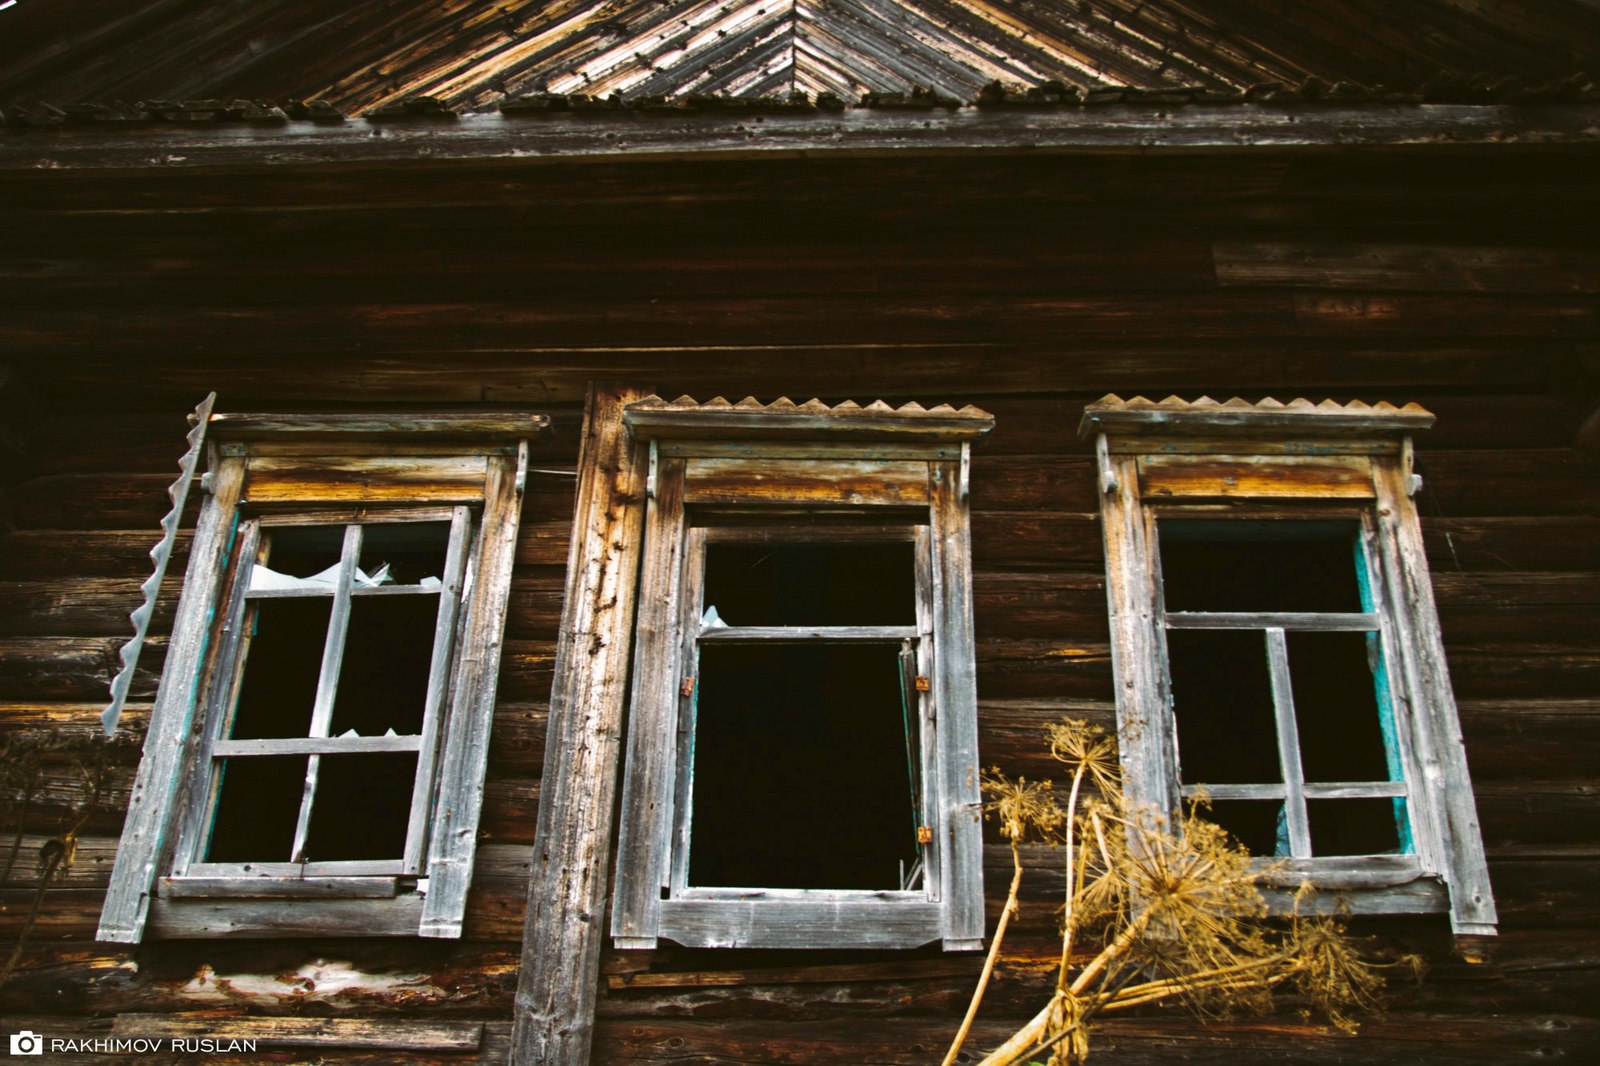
x=195 y=918
x=804 y=923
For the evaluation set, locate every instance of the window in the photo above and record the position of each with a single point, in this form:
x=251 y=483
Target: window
x=1276 y=648
x=316 y=752
x=802 y=751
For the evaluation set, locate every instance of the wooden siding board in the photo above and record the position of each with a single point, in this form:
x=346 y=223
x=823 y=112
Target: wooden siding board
x=567 y=889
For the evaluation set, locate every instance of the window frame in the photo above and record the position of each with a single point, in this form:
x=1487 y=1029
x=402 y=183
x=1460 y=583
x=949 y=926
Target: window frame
x=901 y=474
x=357 y=471
x=1242 y=461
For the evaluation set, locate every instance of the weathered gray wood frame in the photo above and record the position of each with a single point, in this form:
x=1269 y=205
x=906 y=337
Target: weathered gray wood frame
x=562 y=932
x=232 y=654
x=1448 y=870
x=652 y=899
x=173 y=777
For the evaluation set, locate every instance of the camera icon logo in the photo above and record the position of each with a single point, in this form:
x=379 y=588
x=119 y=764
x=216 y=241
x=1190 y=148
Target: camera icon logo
x=27 y=1042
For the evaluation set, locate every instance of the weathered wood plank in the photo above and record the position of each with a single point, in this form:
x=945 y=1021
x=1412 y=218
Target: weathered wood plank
x=567 y=889
x=169 y=739
x=413 y=479
x=463 y=755
x=492 y=136
x=1286 y=477
x=1406 y=267
x=799 y=483
x=392 y=1033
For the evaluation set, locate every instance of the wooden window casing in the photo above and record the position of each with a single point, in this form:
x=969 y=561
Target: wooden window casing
x=740 y=476
x=1170 y=463
x=352 y=478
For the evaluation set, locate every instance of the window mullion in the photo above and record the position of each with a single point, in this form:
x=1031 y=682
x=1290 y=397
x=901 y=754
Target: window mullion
x=1288 y=745
x=328 y=681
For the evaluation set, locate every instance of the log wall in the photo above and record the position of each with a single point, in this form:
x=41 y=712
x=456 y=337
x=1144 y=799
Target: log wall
x=1026 y=286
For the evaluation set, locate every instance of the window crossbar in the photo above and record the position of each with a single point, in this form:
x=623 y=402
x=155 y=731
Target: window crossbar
x=1317 y=791
x=1301 y=621
x=793 y=634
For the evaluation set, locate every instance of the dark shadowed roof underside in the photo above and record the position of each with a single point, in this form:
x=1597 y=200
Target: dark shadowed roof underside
x=471 y=54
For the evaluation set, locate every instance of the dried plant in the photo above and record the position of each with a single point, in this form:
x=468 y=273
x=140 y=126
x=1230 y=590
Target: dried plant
x=1169 y=912
x=98 y=762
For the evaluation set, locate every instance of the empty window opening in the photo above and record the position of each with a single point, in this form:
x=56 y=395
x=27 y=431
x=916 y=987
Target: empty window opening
x=362 y=807
x=345 y=633
x=800 y=775
x=258 y=805
x=814 y=584
x=1278 y=687
x=1259 y=566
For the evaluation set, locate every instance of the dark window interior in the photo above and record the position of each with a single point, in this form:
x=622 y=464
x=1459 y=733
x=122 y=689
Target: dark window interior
x=383 y=679
x=258 y=803
x=363 y=801
x=412 y=550
x=1221 y=686
x=1355 y=826
x=1259 y=566
x=282 y=663
x=1222 y=699
x=800 y=768
x=302 y=551
x=1336 y=707
x=813 y=584
x=362 y=806
x=1254 y=823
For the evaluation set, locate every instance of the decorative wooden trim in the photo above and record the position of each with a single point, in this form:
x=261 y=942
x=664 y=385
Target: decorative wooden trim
x=476 y=426
x=955 y=718
x=648 y=791
x=1299 y=418
x=564 y=927
x=168 y=743
x=751 y=421
x=1205 y=450
x=464 y=756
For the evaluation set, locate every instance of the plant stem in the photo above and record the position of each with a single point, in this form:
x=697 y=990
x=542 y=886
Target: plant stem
x=994 y=955
x=1067 y=915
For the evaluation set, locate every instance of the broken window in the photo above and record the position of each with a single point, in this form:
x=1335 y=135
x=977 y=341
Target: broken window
x=802 y=766
x=337 y=644
x=1276 y=649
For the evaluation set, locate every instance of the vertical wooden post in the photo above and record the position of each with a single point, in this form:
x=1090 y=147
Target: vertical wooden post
x=557 y=987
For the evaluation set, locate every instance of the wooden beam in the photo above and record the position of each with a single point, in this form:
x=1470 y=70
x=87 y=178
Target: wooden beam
x=558 y=985
x=647 y=138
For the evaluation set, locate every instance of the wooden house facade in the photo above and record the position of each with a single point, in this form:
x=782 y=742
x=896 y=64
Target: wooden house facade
x=449 y=270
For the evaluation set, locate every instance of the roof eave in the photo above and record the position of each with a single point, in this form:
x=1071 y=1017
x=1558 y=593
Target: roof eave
x=625 y=136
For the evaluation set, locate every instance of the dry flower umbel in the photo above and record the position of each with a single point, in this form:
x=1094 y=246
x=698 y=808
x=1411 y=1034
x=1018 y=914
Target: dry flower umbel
x=1170 y=912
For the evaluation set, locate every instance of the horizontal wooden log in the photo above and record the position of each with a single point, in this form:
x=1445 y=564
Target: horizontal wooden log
x=956 y=371
x=1564 y=542
x=81 y=607
x=1531 y=739
x=1524 y=671
x=1135 y=1041
x=380 y=327
x=73 y=668
x=78 y=724
x=1406 y=267
x=270 y=1033
x=32 y=554
x=490 y=136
